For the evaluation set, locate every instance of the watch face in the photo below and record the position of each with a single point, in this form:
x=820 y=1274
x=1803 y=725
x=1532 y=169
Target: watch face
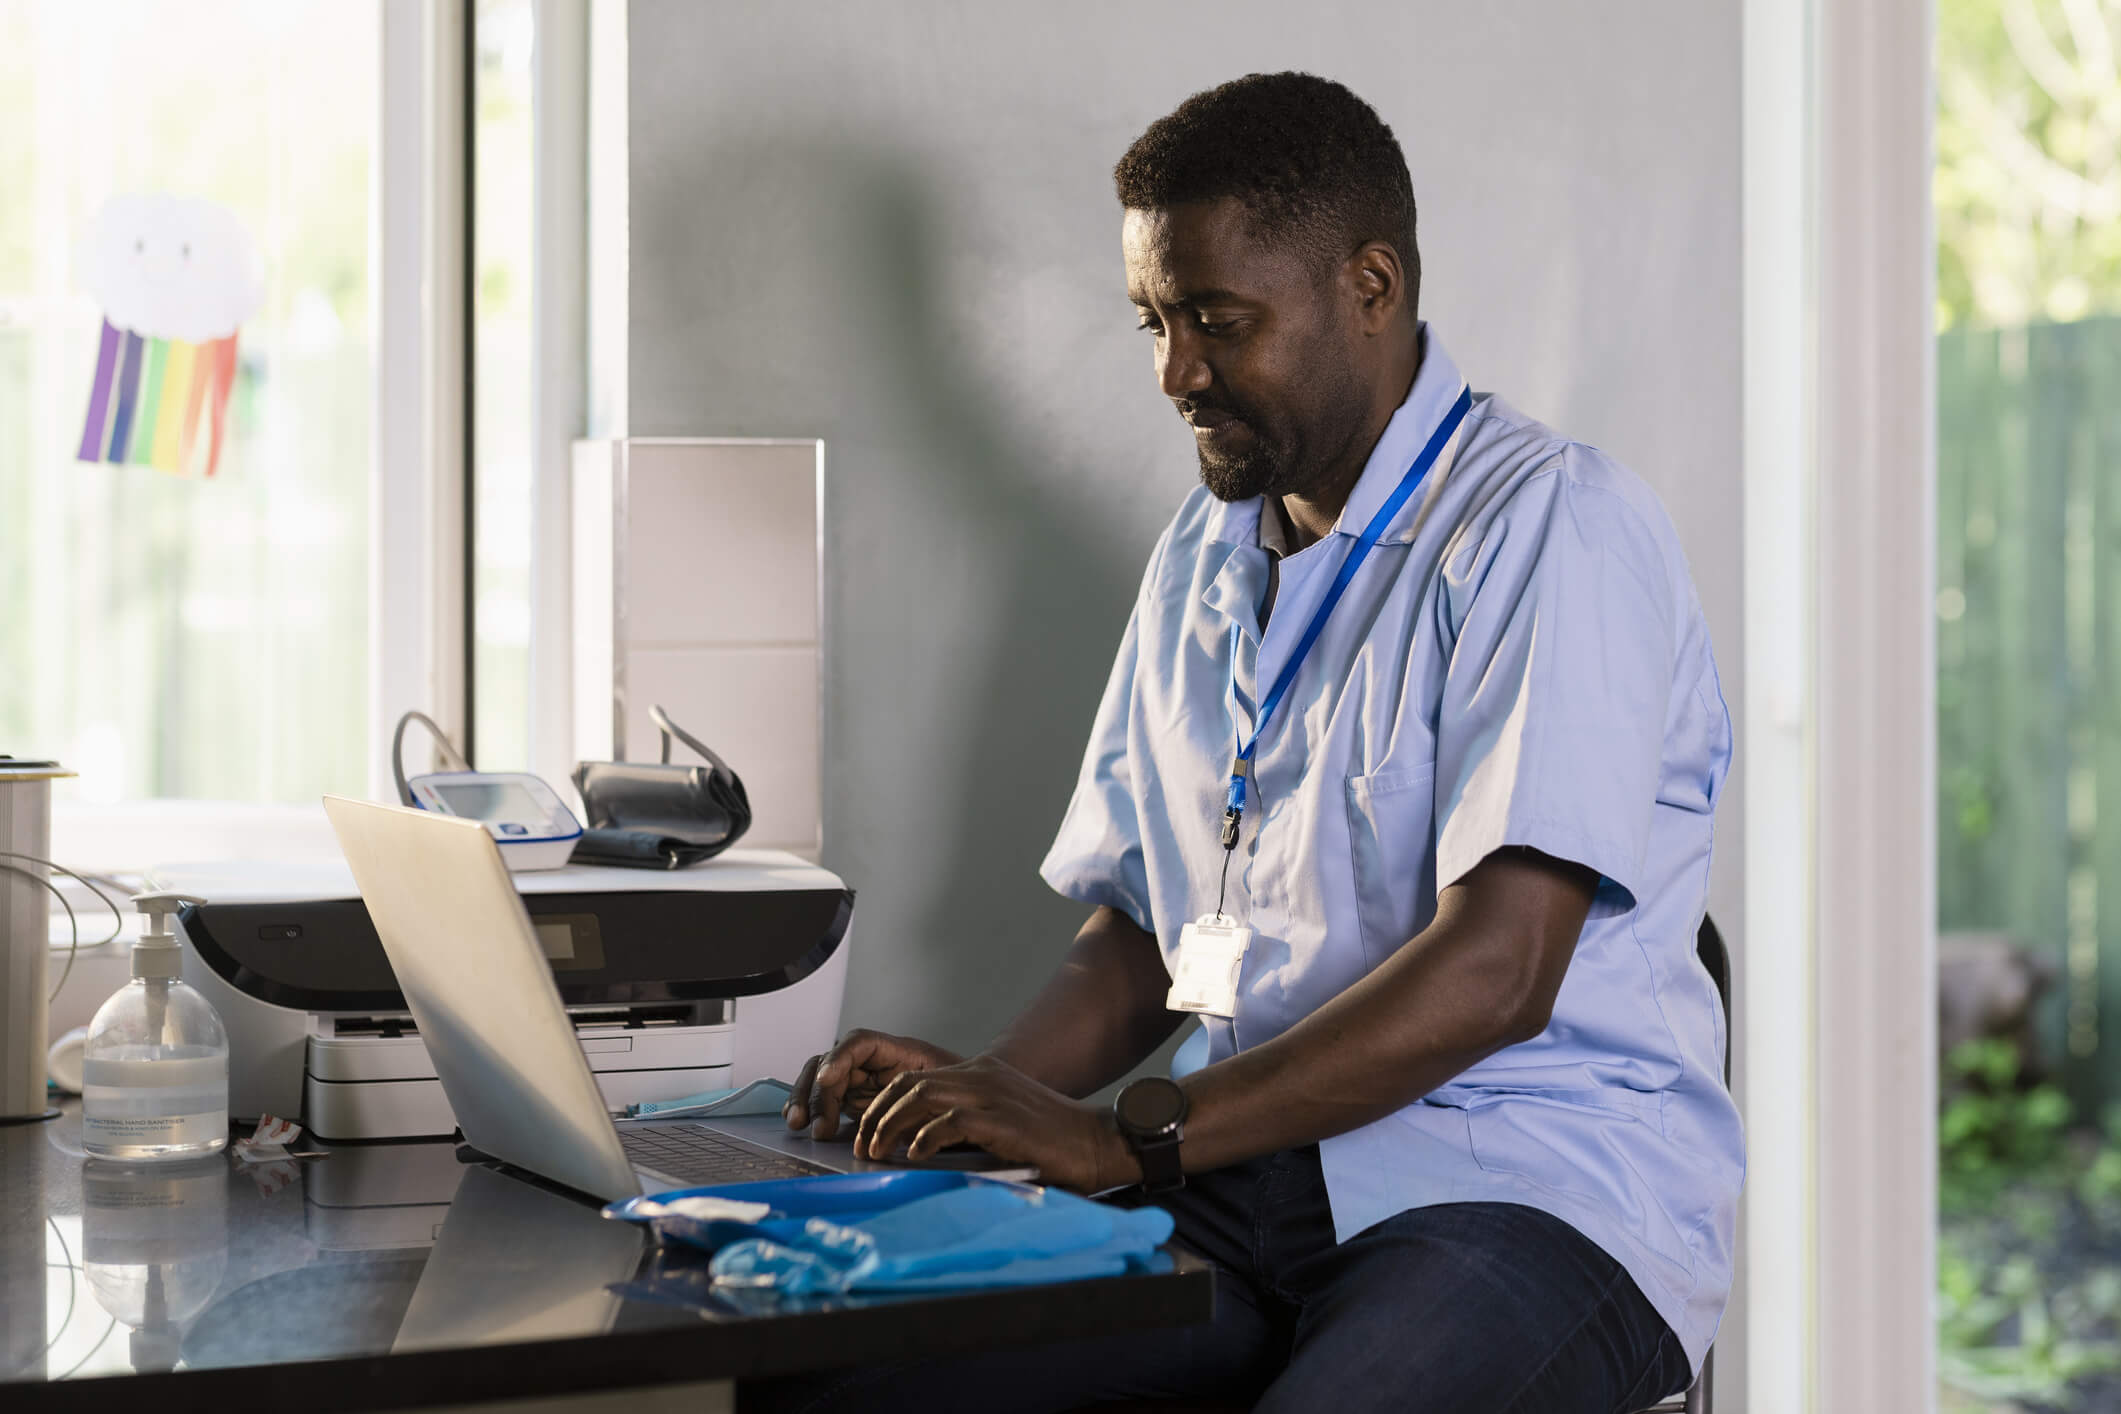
x=1149 y=1106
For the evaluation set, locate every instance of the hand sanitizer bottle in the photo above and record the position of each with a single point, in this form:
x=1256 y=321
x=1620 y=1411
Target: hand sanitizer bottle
x=154 y=1072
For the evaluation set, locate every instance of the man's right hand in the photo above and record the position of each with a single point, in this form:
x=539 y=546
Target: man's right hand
x=846 y=1078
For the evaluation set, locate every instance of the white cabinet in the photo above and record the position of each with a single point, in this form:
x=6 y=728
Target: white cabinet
x=696 y=587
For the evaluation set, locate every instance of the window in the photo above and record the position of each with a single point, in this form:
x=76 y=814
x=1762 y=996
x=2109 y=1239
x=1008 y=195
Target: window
x=504 y=44
x=2028 y=208
x=191 y=636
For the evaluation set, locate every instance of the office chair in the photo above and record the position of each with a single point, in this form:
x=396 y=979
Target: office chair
x=1698 y=1398
x=1717 y=959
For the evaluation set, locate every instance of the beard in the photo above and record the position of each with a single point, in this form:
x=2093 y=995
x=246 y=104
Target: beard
x=1259 y=465
x=1304 y=440
x=1240 y=476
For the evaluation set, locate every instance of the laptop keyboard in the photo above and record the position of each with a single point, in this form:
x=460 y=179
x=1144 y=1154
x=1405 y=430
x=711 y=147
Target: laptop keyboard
x=694 y=1153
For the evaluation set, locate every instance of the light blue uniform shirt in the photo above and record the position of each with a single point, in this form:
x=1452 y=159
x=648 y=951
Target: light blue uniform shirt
x=1521 y=661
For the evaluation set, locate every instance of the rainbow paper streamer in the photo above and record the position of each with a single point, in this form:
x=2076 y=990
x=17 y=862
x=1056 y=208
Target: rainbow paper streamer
x=159 y=402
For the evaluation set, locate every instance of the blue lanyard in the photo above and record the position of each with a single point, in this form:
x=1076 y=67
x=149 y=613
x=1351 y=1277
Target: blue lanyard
x=1241 y=767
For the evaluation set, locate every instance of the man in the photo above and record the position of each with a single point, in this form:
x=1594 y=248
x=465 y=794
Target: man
x=1403 y=784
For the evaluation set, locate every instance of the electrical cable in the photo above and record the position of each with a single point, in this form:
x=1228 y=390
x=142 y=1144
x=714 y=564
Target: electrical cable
x=450 y=757
x=117 y=914
x=89 y=882
x=73 y=924
x=112 y=882
x=92 y=1349
x=71 y=1284
x=72 y=1267
x=73 y=1281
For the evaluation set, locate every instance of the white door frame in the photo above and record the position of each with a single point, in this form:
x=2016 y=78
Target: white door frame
x=1840 y=584
x=1875 y=783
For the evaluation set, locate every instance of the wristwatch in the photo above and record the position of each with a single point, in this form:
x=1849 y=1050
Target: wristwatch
x=1151 y=1115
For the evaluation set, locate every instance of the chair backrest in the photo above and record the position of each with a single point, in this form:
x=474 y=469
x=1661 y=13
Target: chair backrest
x=1717 y=959
x=1700 y=1396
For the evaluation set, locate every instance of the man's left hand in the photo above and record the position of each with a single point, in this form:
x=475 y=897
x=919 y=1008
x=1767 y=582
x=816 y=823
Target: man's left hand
x=986 y=1102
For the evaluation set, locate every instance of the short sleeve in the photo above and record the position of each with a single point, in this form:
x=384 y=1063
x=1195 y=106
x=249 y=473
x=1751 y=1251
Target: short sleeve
x=1551 y=728
x=1097 y=857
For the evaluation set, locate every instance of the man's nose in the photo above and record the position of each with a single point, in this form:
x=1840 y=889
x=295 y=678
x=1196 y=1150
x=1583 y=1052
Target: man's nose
x=1180 y=370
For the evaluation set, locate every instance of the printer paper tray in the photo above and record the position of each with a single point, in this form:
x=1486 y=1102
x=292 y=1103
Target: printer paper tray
x=351 y=1059
x=405 y=1109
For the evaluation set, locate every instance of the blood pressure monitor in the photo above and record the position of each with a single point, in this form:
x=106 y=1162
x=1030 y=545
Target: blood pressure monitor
x=524 y=816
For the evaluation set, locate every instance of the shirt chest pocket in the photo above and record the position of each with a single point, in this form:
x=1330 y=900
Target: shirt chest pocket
x=1392 y=849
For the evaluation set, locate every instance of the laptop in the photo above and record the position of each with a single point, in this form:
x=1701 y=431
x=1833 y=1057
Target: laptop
x=482 y=994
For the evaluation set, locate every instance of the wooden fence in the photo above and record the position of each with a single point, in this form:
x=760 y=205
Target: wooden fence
x=2029 y=669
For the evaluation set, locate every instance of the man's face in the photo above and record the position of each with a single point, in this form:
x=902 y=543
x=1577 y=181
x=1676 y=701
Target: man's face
x=1255 y=349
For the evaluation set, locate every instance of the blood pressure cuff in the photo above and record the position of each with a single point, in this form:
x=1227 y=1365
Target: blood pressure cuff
x=659 y=815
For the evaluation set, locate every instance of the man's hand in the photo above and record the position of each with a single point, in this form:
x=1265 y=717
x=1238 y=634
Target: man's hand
x=986 y=1102
x=850 y=1075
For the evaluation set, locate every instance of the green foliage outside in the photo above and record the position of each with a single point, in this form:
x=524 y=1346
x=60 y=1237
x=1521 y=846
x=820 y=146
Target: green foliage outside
x=2028 y=181
x=2029 y=1296
x=2027 y=195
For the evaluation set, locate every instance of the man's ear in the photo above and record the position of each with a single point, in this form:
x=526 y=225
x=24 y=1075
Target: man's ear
x=1377 y=282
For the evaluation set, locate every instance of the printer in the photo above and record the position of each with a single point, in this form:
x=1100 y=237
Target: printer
x=678 y=981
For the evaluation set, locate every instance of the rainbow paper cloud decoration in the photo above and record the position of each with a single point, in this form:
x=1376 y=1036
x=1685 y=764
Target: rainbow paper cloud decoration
x=175 y=276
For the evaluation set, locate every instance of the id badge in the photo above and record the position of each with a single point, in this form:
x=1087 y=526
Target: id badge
x=1211 y=953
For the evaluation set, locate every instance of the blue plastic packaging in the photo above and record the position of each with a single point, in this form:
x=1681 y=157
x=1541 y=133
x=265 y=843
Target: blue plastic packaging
x=910 y=1230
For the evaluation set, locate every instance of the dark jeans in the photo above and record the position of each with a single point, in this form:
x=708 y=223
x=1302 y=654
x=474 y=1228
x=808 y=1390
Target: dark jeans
x=1466 y=1308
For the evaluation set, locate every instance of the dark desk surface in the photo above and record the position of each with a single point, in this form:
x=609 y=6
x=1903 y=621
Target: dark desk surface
x=392 y=1276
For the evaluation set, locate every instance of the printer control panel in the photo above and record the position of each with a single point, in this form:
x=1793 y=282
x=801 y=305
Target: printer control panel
x=572 y=942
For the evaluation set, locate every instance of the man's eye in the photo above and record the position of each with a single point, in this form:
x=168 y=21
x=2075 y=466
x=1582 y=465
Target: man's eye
x=1149 y=326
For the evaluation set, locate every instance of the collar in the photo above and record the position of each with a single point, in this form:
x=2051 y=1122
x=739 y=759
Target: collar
x=1429 y=401
x=1436 y=387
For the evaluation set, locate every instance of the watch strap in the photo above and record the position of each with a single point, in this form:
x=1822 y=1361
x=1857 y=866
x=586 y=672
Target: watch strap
x=1161 y=1170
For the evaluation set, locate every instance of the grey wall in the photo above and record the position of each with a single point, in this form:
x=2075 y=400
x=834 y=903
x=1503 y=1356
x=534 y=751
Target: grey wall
x=892 y=226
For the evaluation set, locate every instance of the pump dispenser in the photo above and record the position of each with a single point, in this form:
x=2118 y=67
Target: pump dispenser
x=154 y=1071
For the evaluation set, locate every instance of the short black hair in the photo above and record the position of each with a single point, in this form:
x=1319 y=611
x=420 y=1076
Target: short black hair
x=1311 y=162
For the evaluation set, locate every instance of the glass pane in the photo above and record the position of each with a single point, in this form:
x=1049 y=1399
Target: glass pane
x=2027 y=198
x=501 y=332
x=168 y=634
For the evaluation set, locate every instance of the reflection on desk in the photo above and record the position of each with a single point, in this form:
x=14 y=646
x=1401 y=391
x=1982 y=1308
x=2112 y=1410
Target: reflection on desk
x=486 y=1281
x=392 y=1276
x=154 y=1246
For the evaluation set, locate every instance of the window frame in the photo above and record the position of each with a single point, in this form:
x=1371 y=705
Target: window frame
x=419 y=621
x=418 y=645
